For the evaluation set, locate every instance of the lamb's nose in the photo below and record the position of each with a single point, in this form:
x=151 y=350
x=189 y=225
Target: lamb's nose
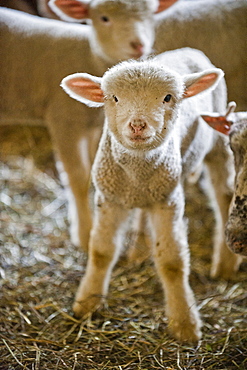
x=137 y=46
x=137 y=126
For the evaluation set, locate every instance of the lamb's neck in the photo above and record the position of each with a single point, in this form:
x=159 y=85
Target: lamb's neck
x=100 y=60
x=135 y=160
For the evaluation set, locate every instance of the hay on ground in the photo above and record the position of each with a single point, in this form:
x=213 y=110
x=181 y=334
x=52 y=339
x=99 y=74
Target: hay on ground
x=40 y=271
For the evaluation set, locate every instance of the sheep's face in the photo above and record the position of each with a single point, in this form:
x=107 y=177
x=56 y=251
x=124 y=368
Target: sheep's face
x=122 y=29
x=236 y=228
x=141 y=104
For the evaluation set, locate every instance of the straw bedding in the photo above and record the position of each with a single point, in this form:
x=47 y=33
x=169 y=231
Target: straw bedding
x=40 y=271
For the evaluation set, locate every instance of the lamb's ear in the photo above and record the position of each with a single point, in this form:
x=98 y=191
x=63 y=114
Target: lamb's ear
x=198 y=82
x=220 y=123
x=70 y=10
x=165 y=4
x=84 y=88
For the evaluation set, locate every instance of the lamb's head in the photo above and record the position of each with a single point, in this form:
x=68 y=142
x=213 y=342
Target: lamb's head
x=121 y=29
x=235 y=125
x=141 y=99
x=141 y=102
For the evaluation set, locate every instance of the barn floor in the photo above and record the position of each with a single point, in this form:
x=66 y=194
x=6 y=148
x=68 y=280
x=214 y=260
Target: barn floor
x=40 y=271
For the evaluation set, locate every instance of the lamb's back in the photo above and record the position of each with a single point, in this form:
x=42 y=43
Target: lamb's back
x=38 y=53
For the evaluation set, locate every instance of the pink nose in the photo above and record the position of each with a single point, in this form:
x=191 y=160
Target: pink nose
x=137 y=126
x=137 y=46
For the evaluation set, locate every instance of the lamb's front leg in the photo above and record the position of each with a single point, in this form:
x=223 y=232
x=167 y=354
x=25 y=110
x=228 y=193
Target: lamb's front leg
x=172 y=261
x=104 y=248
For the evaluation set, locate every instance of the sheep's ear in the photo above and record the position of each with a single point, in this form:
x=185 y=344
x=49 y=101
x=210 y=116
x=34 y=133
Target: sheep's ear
x=220 y=123
x=70 y=10
x=84 y=88
x=165 y=4
x=198 y=82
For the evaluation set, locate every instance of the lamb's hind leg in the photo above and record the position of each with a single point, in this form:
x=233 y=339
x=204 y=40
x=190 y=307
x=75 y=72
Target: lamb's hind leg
x=104 y=249
x=221 y=170
x=172 y=261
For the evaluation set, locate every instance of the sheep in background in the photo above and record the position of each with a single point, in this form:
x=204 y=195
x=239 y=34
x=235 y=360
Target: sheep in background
x=218 y=28
x=153 y=138
x=37 y=53
x=235 y=125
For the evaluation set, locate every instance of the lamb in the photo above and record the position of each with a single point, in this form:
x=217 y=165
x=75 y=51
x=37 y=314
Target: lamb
x=153 y=138
x=235 y=125
x=218 y=28
x=38 y=53
x=29 y=85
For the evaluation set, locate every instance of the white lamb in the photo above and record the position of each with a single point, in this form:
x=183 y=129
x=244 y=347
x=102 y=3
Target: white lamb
x=36 y=53
x=153 y=138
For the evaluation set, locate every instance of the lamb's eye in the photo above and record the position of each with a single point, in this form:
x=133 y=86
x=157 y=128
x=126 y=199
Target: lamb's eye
x=105 y=19
x=115 y=98
x=167 y=98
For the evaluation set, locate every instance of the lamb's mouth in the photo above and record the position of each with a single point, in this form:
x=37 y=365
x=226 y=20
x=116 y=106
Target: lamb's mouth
x=136 y=55
x=139 y=138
